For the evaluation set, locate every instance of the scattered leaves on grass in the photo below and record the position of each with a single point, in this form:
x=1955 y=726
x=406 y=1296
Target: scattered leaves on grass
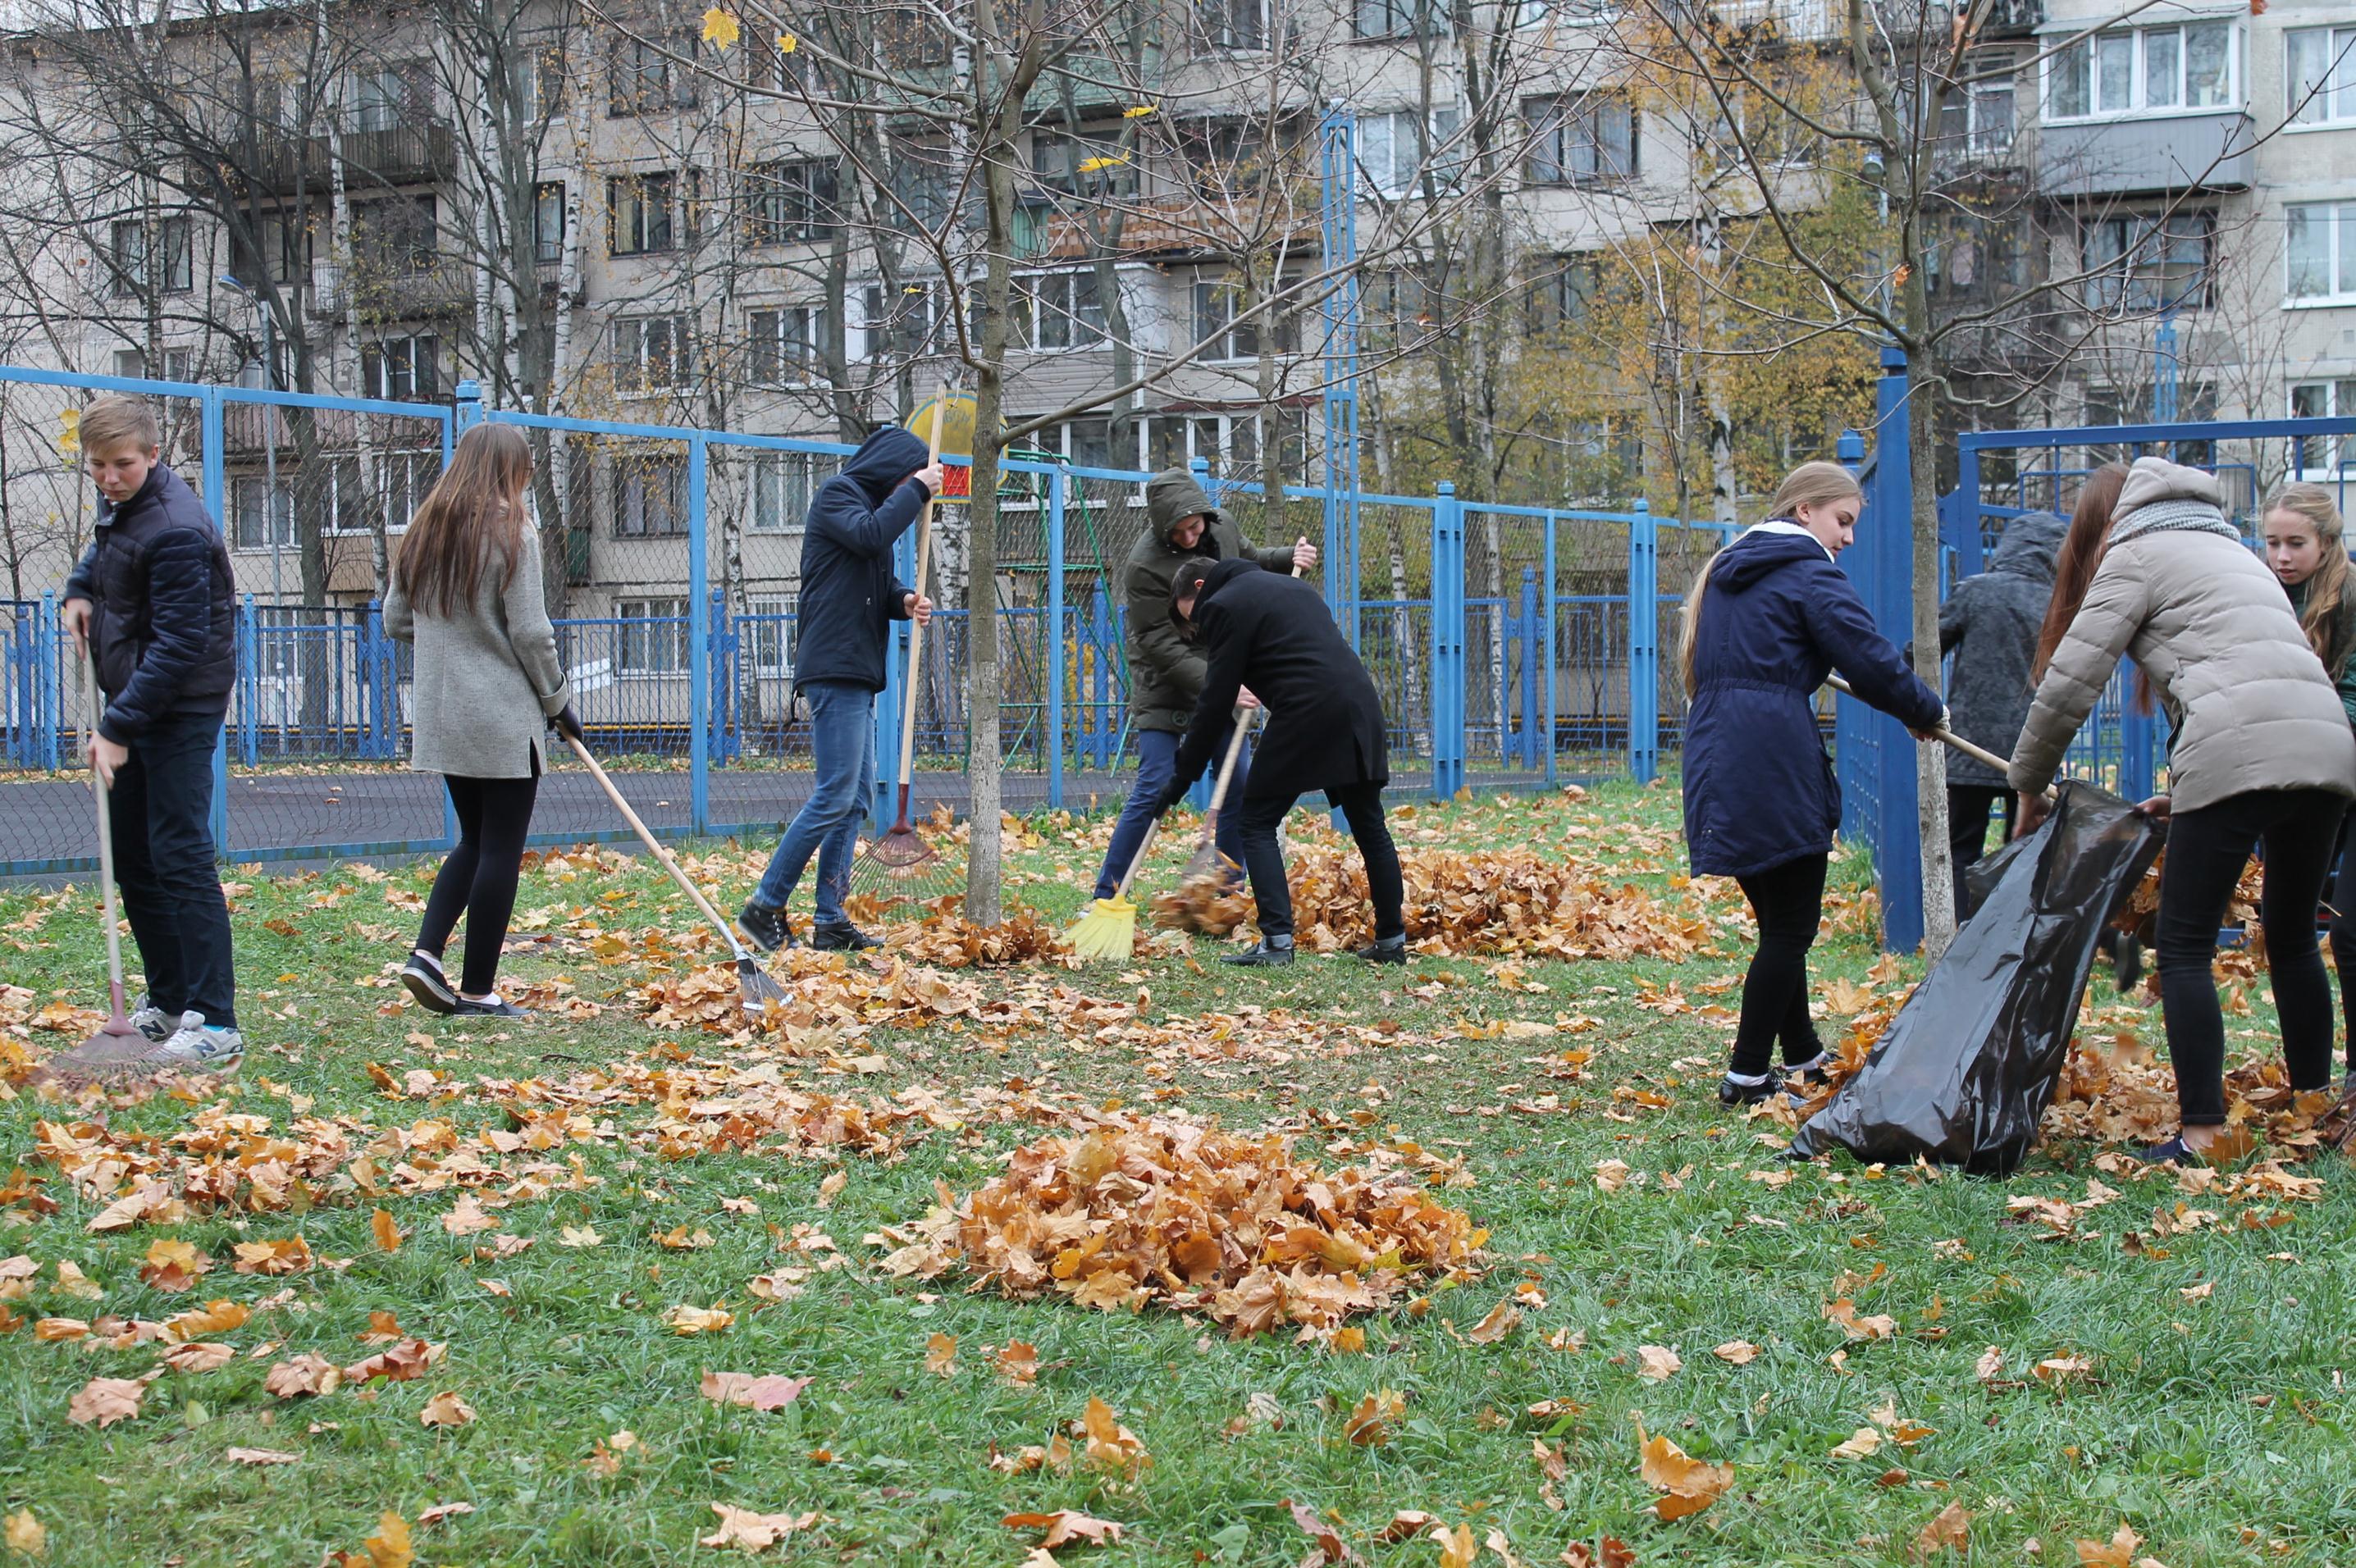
x=1502 y=1320
x=467 y=1217
x=684 y=1319
x=291 y=1255
x=940 y=1355
x=1330 y=1550
x=1370 y=1422
x=1689 y=1485
x=2119 y=1552
x=579 y=1236
x=440 y=1512
x=1138 y=1210
x=1740 y=1352
x=261 y=1456
x=106 y=1401
x=387 y=1548
x=749 y=1532
x=2065 y=1369
x=24 y=1534
x=769 y=1392
x=1657 y=1362
x=1109 y=1444
x=303 y=1374
x=388 y=1235
x=446 y=1409
x=1064 y=1526
x=1860 y=1444
x=1609 y=1552
x=403 y=1361
x=1879 y=1325
x=1951 y=1527
x=1017 y=1361
x=173 y=1266
x=204 y=1358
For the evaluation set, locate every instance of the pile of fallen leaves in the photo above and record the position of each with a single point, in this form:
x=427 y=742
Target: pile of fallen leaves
x=1212 y=904
x=954 y=942
x=2139 y=914
x=1154 y=1211
x=1494 y=901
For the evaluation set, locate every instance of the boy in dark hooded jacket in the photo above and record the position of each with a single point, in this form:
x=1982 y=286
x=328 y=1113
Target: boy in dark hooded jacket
x=849 y=598
x=1165 y=673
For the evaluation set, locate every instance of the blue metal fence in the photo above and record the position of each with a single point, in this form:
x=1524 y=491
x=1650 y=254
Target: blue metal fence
x=1514 y=646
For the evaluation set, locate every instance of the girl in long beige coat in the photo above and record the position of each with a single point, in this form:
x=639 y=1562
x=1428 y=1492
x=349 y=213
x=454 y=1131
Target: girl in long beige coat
x=465 y=589
x=2261 y=750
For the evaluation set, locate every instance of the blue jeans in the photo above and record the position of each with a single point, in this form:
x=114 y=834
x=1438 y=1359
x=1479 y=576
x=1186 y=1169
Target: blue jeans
x=161 y=807
x=1157 y=754
x=842 y=744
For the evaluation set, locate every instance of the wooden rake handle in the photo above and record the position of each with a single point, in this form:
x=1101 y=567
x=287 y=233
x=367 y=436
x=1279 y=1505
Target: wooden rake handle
x=1236 y=742
x=916 y=627
x=105 y=835
x=1978 y=753
x=1137 y=862
x=654 y=845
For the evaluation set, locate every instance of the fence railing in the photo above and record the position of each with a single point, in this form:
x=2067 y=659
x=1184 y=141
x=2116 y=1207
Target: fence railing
x=1514 y=646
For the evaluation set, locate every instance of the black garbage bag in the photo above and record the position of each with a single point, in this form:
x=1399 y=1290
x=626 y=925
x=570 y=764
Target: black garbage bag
x=1982 y=875
x=1966 y=1069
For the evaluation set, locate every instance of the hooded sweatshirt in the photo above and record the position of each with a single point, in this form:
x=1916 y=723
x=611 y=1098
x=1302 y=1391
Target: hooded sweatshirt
x=2180 y=594
x=1989 y=624
x=849 y=594
x=1165 y=672
x=1777 y=616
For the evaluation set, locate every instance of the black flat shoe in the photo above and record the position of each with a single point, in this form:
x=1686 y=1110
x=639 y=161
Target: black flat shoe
x=1387 y=950
x=423 y=980
x=1260 y=956
x=844 y=937
x=1731 y=1094
x=766 y=928
x=493 y=1006
x=2175 y=1151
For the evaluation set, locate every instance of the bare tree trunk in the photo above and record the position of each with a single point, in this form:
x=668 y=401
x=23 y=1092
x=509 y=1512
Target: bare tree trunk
x=1931 y=756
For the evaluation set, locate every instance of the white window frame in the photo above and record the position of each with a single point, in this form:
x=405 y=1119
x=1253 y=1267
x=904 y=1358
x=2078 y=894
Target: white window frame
x=673 y=639
x=2329 y=107
x=1215 y=26
x=925 y=300
x=632 y=334
x=2339 y=452
x=1380 y=170
x=2138 y=106
x=1054 y=298
x=1573 y=123
x=766 y=638
x=2338 y=253
x=780 y=486
x=249 y=495
x=770 y=335
x=395 y=360
x=639 y=465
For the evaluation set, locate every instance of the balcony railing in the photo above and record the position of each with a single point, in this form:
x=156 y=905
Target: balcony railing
x=418 y=152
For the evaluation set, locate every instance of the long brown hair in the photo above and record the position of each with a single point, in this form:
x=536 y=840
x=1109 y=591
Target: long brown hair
x=2327 y=586
x=472 y=518
x=1813 y=483
x=2080 y=554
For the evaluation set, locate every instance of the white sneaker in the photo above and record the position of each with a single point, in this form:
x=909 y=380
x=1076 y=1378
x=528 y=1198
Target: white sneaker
x=154 y=1021
x=195 y=1045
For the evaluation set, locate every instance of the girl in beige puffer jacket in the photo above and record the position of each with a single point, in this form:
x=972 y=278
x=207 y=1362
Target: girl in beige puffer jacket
x=2261 y=750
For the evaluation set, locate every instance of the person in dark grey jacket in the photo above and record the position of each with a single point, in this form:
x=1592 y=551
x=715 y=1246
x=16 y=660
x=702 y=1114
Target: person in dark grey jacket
x=153 y=602
x=849 y=600
x=1165 y=672
x=1988 y=626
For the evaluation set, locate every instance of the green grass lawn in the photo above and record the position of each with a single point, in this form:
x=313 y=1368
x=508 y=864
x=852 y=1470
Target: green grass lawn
x=2194 y=1391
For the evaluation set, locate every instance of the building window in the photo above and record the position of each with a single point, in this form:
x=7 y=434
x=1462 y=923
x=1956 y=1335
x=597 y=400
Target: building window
x=918 y=180
x=2319 y=72
x=643 y=212
x=786 y=345
x=1978 y=258
x=769 y=623
x=1394 y=18
x=1059 y=310
x=401 y=369
x=2320 y=243
x=1237 y=25
x=651 y=354
x=793 y=202
x=653 y=639
x=1393 y=149
x=285 y=243
x=1582 y=138
x=179 y=364
x=2326 y=458
x=1231 y=444
x=395 y=236
x=1066 y=164
x=548 y=224
x=393 y=96
x=646 y=80
x=649 y=497
x=261 y=517
x=154 y=257
x=783 y=484
x=1562 y=291
x=1394 y=310
x=2149 y=264
x=1977 y=119
x=904 y=328
x=2141 y=70
x=1217 y=305
x=402 y=479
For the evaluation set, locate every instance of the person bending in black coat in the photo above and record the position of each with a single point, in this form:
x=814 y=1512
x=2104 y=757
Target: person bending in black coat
x=1325 y=731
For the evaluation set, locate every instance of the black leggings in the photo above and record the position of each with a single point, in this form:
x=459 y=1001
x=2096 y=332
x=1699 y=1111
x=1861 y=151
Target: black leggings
x=1362 y=806
x=2343 y=943
x=1789 y=903
x=480 y=877
x=2206 y=851
x=1967 y=820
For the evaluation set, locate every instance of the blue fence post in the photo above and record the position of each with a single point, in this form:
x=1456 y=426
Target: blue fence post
x=1530 y=645
x=1889 y=595
x=722 y=662
x=2137 y=778
x=1058 y=642
x=48 y=644
x=249 y=680
x=882 y=809
x=1551 y=602
x=1643 y=645
x=1447 y=644
x=699 y=637
x=215 y=485
x=467 y=410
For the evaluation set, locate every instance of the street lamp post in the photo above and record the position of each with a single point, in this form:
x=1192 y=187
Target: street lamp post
x=269 y=438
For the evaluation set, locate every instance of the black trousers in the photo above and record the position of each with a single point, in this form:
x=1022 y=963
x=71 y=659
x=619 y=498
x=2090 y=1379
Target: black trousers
x=480 y=877
x=160 y=808
x=2343 y=943
x=1362 y=806
x=1788 y=901
x=1968 y=818
x=2206 y=851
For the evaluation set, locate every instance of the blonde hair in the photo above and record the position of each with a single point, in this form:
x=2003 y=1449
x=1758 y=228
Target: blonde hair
x=1813 y=484
x=116 y=419
x=2327 y=587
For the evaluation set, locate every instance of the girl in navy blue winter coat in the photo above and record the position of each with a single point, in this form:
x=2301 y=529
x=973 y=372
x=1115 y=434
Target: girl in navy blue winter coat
x=1770 y=617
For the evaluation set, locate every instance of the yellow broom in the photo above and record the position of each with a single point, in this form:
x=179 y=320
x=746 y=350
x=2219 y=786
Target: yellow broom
x=1108 y=930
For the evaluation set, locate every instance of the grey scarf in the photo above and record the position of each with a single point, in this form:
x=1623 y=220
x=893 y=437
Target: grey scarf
x=2178 y=516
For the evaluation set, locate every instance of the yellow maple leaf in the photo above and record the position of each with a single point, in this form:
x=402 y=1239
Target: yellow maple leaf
x=720 y=28
x=25 y=1535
